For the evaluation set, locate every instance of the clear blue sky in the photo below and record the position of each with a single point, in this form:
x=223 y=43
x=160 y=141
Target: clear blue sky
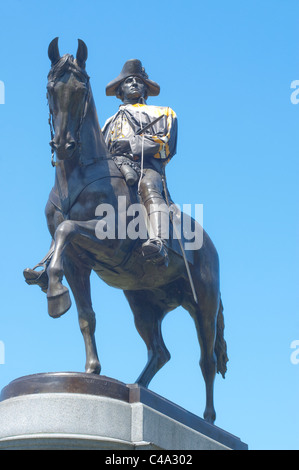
x=226 y=69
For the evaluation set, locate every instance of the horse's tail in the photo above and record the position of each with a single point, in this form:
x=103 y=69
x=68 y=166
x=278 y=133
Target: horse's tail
x=220 y=343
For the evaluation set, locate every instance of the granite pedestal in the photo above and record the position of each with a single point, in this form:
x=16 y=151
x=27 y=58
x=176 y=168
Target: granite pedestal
x=81 y=411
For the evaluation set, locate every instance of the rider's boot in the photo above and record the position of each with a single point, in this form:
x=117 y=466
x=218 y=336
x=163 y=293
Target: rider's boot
x=155 y=248
x=39 y=278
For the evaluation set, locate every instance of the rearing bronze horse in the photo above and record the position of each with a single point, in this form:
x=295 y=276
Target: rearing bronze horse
x=86 y=178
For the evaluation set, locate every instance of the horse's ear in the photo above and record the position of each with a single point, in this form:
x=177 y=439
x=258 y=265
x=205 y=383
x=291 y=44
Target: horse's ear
x=53 y=51
x=81 y=56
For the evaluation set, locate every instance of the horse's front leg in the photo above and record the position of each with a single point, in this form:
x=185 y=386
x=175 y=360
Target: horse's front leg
x=67 y=232
x=78 y=277
x=58 y=296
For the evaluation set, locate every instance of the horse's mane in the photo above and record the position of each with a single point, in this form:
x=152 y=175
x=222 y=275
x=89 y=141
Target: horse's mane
x=69 y=64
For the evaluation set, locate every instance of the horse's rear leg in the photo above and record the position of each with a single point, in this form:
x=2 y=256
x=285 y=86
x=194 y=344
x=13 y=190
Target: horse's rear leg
x=204 y=315
x=78 y=277
x=148 y=316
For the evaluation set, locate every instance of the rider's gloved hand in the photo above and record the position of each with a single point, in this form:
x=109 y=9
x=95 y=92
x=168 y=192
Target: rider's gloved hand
x=121 y=147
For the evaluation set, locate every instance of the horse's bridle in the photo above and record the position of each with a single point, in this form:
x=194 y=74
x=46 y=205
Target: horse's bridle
x=77 y=141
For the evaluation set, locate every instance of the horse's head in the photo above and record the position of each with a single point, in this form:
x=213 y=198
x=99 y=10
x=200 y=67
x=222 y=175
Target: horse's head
x=68 y=92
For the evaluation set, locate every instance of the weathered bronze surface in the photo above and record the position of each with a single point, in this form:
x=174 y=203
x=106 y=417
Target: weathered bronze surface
x=66 y=382
x=86 y=176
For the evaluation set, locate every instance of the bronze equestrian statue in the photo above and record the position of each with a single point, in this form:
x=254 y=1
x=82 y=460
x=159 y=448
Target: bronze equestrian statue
x=95 y=170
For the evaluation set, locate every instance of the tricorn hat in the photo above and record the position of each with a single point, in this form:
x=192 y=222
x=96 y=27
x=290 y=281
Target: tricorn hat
x=132 y=67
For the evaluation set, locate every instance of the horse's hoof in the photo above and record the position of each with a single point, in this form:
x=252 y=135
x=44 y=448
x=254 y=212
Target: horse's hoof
x=93 y=368
x=59 y=304
x=210 y=416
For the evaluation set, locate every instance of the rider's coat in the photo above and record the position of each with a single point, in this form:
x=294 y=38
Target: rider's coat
x=159 y=141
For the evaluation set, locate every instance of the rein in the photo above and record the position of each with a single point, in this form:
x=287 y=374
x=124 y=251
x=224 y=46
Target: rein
x=78 y=139
x=50 y=121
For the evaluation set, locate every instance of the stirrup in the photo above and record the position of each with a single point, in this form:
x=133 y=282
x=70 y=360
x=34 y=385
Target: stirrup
x=155 y=250
x=39 y=278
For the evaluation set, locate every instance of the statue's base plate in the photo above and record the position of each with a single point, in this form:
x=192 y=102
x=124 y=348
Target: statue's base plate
x=68 y=410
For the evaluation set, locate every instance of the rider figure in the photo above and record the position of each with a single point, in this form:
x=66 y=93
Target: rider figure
x=147 y=152
x=151 y=150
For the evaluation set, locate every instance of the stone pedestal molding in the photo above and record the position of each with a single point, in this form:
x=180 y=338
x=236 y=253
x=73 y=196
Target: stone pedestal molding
x=81 y=411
